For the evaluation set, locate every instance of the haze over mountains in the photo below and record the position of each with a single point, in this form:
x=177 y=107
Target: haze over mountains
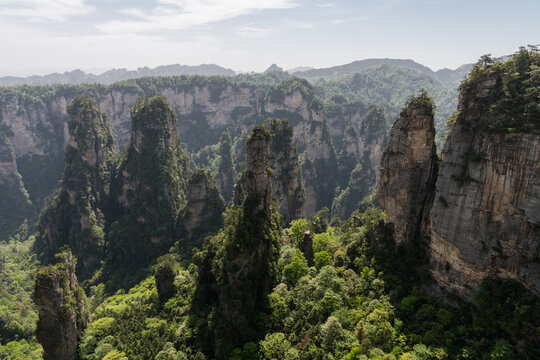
x=447 y=77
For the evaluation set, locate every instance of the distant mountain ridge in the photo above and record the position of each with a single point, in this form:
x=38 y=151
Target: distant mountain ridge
x=446 y=77
x=114 y=75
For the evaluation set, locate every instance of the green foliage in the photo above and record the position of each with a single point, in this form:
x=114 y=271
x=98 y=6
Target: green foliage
x=21 y=350
x=18 y=312
x=296 y=230
x=513 y=103
x=325 y=242
x=15 y=206
x=152 y=185
x=322 y=258
x=296 y=269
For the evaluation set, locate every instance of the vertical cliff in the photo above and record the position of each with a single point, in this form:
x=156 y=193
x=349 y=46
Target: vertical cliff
x=63 y=308
x=237 y=267
x=15 y=206
x=359 y=160
x=320 y=168
x=288 y=191
x=408 y=168
x=75 y=216
x=203 y=214
x=225 y=180
x=481 y=219
x=150 y=189
x=485 y=218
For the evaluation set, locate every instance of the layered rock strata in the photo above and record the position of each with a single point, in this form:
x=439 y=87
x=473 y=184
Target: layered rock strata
x=408 y=168
x=63 y=309
x=75 y=215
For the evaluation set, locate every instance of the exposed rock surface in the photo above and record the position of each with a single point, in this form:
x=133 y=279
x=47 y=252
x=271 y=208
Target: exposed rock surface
x=203 y=214
x=237 y=267
x=15 y=206
x=225 y=180
x=482 y=217
x=75 y=215
x=206 y=107
x=408 y=168
x=288 y=192
x=63 y=308
x=358 y=161
x=320 y=168
x=486 y=212
x=150 y=189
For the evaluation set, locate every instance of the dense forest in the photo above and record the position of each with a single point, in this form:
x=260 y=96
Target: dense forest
x=276 y=235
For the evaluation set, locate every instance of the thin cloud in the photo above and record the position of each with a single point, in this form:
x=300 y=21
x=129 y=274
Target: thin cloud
x=170 y=15
x=43 y=10
x=249 y=31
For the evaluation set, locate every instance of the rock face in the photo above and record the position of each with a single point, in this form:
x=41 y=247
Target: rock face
x=289 y=193
x=237 y=267
x=15 y=206
x=320 y=168
x=150 y=189
x=35 y=120
x=75 y=215
x=258 y=179
x=225 y=180
x=408 y=168
x=203 y=214
x=63 y=309
x=358 y=161
x=482 y=218
x=486 y=211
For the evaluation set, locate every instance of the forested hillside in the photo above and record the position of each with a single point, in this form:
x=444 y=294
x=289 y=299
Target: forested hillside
x=267 y=217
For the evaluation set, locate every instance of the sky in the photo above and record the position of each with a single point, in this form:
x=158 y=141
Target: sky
x=42 y=36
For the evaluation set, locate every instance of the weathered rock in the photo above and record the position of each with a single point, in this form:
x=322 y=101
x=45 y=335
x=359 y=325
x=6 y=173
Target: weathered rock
x=306 y=246
x=408 y=168
x=359 y=161
x=63 y=309
x=320 y=168
x=240 y=266
x=485 y=216
x=75 y=215
x=203 y=214
x=258 y=179
x=225 y=177
x=288 y=191
x=165 y=273
x=15 y=206
x=150 y=190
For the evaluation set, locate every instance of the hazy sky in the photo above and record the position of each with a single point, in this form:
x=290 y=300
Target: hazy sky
x=40 y=36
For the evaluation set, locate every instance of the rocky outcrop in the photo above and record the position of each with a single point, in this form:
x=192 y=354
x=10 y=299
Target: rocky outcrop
x=203 y=214
x=150 y=189
x=75 y=215
x=408 y=169
x=238 y=267
x=372 y=140
x=63 y=308
x=288 y=191
x=342 y=115
x=165 y=273
x=320 y=168
x=225 y=177
x=485 y=217
x=294 y=99
x=15 y=206
x=206 y=107
x=359 y=161
x=482 y=217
